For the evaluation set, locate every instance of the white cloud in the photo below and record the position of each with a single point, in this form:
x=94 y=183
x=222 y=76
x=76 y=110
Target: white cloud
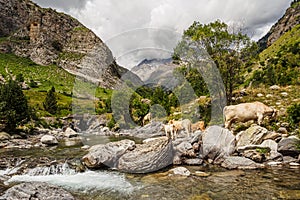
x=124 y=25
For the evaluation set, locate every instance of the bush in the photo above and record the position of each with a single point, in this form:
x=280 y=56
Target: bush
x=33 y=84
x=294 y=113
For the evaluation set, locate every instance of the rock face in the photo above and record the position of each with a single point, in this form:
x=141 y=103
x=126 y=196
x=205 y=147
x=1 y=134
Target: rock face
x=290 y=19
x=38 y=191
x=149 y=157
x=48 y=37
x=107 y=154
x=217 y=143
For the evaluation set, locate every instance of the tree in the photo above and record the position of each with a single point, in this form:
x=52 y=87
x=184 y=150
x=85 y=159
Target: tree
x=50 y=103
x=13 y=105
x=227 y=48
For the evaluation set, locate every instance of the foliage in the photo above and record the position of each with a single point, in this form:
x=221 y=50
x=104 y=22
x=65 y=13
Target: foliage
x=294 y=113
x=13 y=105
x=50 y=102
x=228 y=49
x=20 y=78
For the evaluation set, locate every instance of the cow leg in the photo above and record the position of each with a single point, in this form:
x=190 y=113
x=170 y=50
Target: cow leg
x=260 y=118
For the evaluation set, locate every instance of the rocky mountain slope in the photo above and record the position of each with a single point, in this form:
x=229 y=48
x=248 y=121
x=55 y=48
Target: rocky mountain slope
x=290 y=19
x=48 y=37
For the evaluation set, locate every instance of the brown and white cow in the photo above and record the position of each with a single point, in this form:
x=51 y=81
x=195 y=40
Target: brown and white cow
x=247 y=111
x=198 y=126
x=185 y=124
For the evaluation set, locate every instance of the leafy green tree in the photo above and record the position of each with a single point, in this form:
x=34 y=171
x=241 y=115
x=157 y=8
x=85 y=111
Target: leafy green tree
x=228 y=49
x=13 y=105
x=50 y=102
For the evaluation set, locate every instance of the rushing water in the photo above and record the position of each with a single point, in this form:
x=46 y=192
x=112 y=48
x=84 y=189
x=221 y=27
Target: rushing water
x=271 y=183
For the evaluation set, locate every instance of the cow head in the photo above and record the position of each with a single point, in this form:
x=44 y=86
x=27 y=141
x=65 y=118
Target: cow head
x=274 y=113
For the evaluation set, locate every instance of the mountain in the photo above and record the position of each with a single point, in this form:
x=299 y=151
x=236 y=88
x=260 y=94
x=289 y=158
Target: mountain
x=157 y=72
x=290 y=19
x=48 y=37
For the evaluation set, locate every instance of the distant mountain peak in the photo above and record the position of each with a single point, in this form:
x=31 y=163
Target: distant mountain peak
x=155 y=61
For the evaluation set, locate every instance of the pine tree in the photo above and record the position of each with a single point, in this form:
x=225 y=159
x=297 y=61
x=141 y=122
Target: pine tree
x=13 y=105
x=50 y=103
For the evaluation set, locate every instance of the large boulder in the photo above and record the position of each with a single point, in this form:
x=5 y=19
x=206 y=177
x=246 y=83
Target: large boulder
x=235 y=162
x=107 y=154
x=217 y=143
x=37 y=191
x=148 y=157
x=252 y=136
x=288 y=146
x=49 y=140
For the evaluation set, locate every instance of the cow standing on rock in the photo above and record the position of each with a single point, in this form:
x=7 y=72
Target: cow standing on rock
x=247 y=111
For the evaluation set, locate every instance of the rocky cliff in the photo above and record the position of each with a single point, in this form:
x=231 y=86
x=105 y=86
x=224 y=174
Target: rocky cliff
x=48 y=37
x=290 y=19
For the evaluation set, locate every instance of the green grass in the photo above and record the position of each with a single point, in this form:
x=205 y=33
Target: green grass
x=47 y=76
x=290 y=37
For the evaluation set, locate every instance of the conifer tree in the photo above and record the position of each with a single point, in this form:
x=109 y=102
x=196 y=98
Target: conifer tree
x=13 y=105
x=50 y=102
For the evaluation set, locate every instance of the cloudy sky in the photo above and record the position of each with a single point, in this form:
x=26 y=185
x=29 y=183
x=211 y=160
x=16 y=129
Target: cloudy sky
x=138 y=29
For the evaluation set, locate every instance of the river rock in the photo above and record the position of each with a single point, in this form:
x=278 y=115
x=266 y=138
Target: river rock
x=235 y=162
x=217 y=143
x=182 y=171
x=288 y=146
x=49 y=140
x=107 y=154
x=282 y=130
x=70 y=133
x=36 y=191
x=274 y=87
x=253 y=135
x=149 y=157
x=193 y=161
x=185 y=149
x=4 y=136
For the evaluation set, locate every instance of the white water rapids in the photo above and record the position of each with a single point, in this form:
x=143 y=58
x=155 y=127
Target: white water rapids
x=62 y=175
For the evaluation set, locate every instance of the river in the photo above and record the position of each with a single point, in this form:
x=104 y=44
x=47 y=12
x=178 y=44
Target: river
x=218 y=183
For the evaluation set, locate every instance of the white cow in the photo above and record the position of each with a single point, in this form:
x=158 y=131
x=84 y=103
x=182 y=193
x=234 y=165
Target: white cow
x=247 y=111
x=169 y=130
x=147 y=118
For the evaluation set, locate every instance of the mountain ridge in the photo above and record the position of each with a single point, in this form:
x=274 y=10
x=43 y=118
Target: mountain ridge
x=290 y=19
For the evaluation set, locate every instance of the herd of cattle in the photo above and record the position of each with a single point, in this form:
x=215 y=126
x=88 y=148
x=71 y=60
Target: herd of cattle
x=235 y=113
